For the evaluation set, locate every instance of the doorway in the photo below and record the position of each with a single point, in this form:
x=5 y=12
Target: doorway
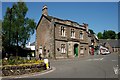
x=76 y=50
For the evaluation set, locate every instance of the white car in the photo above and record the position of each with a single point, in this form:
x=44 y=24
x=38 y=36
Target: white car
x=105 y=52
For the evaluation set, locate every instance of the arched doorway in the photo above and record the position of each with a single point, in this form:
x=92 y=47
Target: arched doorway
x=76 y=50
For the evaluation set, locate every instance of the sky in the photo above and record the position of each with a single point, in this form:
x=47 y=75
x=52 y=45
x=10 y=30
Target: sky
x=99 y=16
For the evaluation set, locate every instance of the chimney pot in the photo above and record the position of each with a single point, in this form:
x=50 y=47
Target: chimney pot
x=44 y=10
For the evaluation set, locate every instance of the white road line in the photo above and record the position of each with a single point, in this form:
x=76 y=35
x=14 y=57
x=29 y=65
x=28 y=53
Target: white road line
x=101 y=59
x=114 y=60
x=95 y=59
x=116 y=70
x=53 y=68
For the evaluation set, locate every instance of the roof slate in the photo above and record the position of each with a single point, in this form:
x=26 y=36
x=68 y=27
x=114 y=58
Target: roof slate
x=112 y=42
x=51 y=17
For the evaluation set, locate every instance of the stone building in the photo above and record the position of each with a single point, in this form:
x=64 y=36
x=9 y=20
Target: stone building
x=58 y=38
x=112 y=44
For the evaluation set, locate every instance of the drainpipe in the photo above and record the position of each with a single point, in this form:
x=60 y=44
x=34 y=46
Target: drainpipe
x=54 y=41
x=67 y=50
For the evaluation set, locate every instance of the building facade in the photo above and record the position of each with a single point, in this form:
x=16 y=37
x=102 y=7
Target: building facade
x=112 y=44
x=58 y=38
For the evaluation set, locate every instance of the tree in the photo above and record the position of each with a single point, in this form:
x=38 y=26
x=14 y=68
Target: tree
x=100 y=35
x=109 y=34
x=17 y=28
x=91 y=31
x=0 y=35
x=118 y=35
x=105 y=35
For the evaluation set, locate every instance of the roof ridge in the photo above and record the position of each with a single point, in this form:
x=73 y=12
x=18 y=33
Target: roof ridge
x=51 y=17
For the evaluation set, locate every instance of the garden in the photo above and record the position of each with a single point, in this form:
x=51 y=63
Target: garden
x=19 y=66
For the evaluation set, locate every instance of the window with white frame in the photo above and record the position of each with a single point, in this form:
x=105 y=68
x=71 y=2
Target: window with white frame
x=81 y=35
x=72 y=33
x=62 y=48
x=62 y=31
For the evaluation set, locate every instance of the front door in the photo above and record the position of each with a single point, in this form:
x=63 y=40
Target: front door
x=76 y=50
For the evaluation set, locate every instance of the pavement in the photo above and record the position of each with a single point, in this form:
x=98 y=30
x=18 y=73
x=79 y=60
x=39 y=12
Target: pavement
x=97 y=66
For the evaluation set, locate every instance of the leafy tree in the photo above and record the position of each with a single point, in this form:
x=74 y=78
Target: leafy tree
x=91 y=31
x=0 y=28
x=109 y=34
x=100 y=35
x=105 y=35
x=17 y=28
x=118 y=35
x=0 y=35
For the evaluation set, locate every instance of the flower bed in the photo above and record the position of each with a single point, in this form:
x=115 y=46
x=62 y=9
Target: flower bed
x=9 y=70
x=19 y=66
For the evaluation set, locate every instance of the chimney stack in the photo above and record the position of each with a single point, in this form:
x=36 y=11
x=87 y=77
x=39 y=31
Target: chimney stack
x=44 y=10
x=86 y=26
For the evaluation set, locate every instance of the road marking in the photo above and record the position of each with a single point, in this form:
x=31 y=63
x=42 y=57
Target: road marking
x=95 y=59
x=53 y=68
x=114 y=60
x=116 y=70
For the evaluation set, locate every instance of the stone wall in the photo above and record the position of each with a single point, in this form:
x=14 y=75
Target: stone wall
x=48 y=36
x=68 y=33
x=44 y=38
x=58 y=49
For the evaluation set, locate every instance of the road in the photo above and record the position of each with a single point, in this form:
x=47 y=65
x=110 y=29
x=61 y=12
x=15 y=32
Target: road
x=98 y=66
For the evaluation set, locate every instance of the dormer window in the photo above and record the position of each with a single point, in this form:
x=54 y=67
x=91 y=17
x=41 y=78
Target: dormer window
x=62 y=31
x=81 y=35
x=72 y=33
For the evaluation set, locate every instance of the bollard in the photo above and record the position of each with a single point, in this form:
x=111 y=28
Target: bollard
x=46 y=62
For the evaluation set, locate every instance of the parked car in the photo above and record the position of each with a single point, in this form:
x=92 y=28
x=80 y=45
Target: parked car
x=104 y=50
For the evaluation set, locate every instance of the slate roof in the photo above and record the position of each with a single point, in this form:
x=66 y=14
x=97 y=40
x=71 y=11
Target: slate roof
x=51 y=17
x=112 y=42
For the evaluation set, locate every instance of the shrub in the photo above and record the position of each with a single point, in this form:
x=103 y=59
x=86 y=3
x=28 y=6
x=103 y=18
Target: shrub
x=19 y=65
x=8 y=70
x=19 y=60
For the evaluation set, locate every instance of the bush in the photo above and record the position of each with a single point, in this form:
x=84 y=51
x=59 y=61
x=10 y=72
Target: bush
x=19 y=60
x=19 y=65
x=8 y=70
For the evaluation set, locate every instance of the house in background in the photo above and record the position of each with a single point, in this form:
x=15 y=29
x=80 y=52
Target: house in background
x=93 y=43
x=112 y=44
x=58 y=38
x=31 y=47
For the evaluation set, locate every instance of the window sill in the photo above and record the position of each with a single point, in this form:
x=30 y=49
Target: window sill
x=72 y=37
x=82 y=39
x=62 y=53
